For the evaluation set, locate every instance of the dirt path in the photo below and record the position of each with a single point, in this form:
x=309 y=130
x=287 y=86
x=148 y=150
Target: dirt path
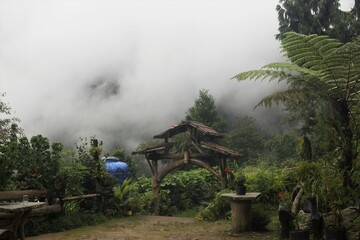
x=156 y=227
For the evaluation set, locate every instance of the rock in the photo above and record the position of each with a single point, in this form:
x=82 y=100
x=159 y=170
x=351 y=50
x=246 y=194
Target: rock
x=305 y=222
x=351 y=222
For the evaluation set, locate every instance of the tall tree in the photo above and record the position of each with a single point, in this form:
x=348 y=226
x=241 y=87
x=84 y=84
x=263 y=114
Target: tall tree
x=324 y=70
x=6 y=121
x=245 y=137
x=204 y=111
x=322 y=17
x=9 y=133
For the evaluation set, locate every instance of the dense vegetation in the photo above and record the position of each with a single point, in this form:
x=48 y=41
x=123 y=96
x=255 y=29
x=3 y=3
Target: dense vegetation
x=318 y=151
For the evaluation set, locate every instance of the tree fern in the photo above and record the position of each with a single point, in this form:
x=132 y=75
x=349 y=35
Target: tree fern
x=321 y=69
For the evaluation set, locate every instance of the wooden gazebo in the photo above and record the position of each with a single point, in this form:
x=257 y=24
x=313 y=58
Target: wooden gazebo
x=197 y=146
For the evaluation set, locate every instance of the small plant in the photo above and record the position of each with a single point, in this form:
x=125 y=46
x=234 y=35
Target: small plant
x=239 y=180
x=307 y=174
x=122 y=191
x=260 y=217
x=106 y=179
x=218 y=208
x=331 y=188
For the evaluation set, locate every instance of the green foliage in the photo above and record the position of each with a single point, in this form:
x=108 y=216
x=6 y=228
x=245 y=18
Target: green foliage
x=71 y=175
x=282 y=147
x=72 y=207
x=245 y=137
x=186 y=189
x=50 y=224
x=182 y=142
x=307 y=174
x=7 y=122
x=118 y=205
x=268 y=180
x=319 y=17
x=89 y=156
x=140 y=196
x=217 y=209
x=133 y=195
x=330 y=191
x=204 y=111
x=9 y=133
x=122 y=191
x=239 y=178
x=35 y=163
x=260 y=217
x=8 y=156
x=327 y=72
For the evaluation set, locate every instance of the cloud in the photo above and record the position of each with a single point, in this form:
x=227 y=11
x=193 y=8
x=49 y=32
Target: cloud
x=127 y=70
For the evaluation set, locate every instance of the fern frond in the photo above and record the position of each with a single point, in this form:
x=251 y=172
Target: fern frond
x=343 y=72
x=293 y=67
x=270 y=75
x=285 y=96
x=308 y=49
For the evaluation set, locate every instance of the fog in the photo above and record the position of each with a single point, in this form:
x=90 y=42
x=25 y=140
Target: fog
x=124 y=71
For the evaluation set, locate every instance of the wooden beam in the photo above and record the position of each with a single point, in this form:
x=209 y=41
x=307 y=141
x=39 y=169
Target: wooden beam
x=179 y=156
x=197 y=147
x=9 y=195
x=81 y=197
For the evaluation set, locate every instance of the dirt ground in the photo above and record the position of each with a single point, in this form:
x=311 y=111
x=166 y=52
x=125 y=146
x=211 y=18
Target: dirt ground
x=157 y=227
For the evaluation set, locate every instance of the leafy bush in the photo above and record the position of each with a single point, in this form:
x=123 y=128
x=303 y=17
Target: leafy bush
x=179 y=191
x=260 y=217
x=267 y=180
x=47 y=224
x=131 y=195
x=220 y=208
x=186 y=189
x=72 y=174
x=217 y=209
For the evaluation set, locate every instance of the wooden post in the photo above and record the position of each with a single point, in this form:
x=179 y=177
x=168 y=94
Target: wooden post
x=241 y=210
x=186 y=157
x=241 y=215
x=155 y=187
x=223 y=173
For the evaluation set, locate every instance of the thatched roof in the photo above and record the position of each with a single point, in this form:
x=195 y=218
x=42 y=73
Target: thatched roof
x=157 y=148
x=220 y=149
x=185 y=125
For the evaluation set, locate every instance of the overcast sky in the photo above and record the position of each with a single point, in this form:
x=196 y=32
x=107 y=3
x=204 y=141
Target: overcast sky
x=126 y=70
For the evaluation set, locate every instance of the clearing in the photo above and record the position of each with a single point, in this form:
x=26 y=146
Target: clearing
x=157 y=227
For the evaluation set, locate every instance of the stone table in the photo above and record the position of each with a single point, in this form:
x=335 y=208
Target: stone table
x=21 y=212
x=241 y=210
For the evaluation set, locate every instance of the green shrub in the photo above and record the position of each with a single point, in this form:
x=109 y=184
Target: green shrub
x=260 y=217
x=140 y=195
x=267 y=180
x=217 y=209
x=48 y=224
x=186 y=189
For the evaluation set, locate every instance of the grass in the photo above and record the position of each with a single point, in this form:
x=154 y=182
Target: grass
x=191 y=213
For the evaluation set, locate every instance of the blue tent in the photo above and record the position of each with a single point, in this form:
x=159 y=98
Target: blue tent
x=117 y=168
